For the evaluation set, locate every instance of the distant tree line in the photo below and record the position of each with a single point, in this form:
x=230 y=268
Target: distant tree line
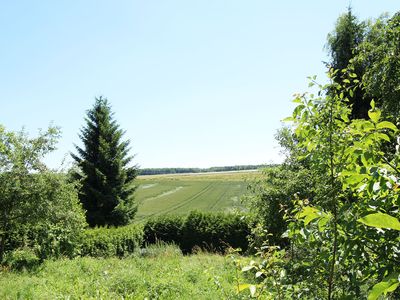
x=158 y=171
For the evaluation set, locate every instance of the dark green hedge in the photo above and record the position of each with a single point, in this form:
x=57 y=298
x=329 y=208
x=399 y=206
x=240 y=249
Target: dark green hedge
x=208 y=231
x=104 y=242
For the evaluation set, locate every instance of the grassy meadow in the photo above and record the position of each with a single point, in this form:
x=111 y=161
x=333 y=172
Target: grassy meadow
x=182 y=193
x=158 y=272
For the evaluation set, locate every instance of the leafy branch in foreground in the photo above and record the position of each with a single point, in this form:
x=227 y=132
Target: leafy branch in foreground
x=343 y=240
x=361 y=187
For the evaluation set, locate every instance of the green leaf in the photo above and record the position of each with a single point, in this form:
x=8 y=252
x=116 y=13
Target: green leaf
x=297 y=100
x=386 y=125
x=374 y=115
x=259 y=273
x=309 y=213
x=382 y=136
x=322 y=222
x=380 y=220
x=389 y=284
x=243 y=287
x=355 y=179
x=288 y=119
x=372 y=104
x=247 y=268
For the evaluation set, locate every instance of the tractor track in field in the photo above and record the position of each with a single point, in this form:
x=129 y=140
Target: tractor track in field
x=213 y=205
x=183 y=203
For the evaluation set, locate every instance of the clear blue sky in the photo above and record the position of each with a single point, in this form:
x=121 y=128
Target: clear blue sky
x=193 y=83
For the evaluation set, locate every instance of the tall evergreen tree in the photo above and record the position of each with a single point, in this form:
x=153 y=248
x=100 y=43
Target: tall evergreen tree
x=103 y=162
x=343 y=46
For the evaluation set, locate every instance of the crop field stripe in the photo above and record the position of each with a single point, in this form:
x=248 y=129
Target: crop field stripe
x=213 y=205
x=187 y=201
x=179 y=205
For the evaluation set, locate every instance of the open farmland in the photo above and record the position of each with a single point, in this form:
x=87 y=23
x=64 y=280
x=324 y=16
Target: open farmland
x=180 y=194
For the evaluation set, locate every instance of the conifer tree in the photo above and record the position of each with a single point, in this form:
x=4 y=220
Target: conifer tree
x=343 y=45
x=103 y=162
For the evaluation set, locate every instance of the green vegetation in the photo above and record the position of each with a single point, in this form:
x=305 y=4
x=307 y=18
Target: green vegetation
x=106 y=242
x=335 y=249
x=199 y=230
x=103 y=169
x=325 y=223
x=154 y=273
x=343 y=45
x=40 y=212
x=343 y=226
x=180 y=194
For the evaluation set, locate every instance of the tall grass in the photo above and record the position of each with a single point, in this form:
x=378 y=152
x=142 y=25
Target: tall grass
x=161 y=272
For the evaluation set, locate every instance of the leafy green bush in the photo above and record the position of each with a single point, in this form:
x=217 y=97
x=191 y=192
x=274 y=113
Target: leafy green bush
x=165 y=228
x=206 y=231
x=21 y=258
x=60 y=233
x=106 y=242
x=39 y=208
x=270 y=199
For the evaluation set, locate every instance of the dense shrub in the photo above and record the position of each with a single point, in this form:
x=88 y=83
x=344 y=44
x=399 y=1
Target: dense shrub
x=207 y=231
x=167 y=228
x=21 y=258
x=270 y=199
x=105 y=242
x=39 y=208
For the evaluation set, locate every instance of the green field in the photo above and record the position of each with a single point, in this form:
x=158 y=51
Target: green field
x=180 y=194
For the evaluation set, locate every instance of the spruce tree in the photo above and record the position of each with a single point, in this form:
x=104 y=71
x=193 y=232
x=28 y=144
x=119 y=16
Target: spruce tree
x=343 y=45
x=103 y=169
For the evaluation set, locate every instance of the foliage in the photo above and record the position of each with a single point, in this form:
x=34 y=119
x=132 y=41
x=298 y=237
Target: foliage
x=107 y=242
x=372 y=49
x=380 y=53
x=343 y=45
x=106 y=178
x=360 y=180
x=270 y=198
x=215 y=231
x=21 y=258
x=167 y=228
x=165 y=275
x=212 y=232
x=344 y=240
x=39 y=208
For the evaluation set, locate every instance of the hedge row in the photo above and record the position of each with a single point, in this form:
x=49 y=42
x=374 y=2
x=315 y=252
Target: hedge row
x=104 y=242
x=213 y=232
x=208 y=231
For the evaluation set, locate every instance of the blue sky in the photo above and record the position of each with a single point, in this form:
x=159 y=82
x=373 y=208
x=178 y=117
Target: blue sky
x=193 y=83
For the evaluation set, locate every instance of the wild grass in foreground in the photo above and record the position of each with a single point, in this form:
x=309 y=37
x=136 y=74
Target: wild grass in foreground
x=157 y=272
